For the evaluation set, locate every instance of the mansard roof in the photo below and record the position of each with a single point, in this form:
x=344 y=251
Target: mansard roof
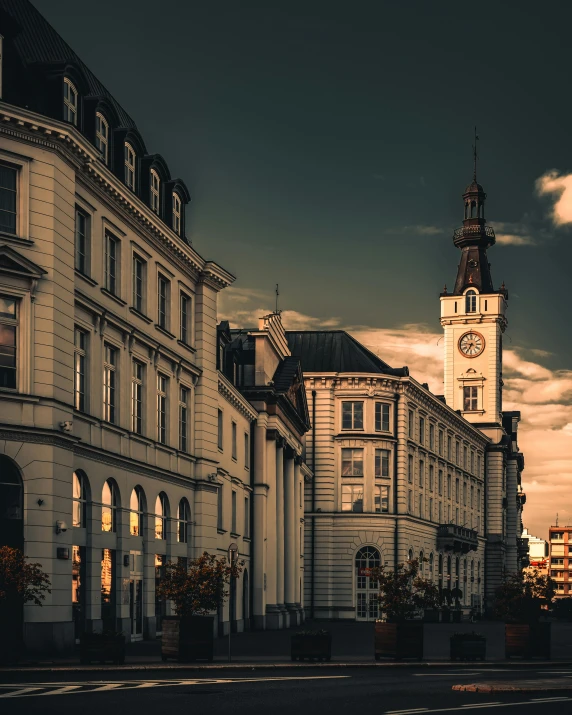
x=336 y=351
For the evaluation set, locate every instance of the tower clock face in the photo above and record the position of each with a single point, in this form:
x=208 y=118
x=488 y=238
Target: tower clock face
x=471 y=344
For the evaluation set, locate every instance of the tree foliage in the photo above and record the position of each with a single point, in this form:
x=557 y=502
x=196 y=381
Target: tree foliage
x=20 y=580
x=403 y=592
x=200 y=587
x=562 y=609
x=522 y=596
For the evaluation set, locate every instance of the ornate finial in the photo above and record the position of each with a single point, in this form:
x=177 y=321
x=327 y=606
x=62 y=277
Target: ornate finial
x=475 y=156
x=503 y=287
x=277 y=294
x=445 y=289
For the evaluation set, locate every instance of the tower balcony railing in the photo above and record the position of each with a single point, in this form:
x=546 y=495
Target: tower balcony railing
x=468 y=231
x=459 y=539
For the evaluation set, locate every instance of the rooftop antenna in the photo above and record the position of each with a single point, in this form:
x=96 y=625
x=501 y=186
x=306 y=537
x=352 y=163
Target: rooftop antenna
x=475 y=155
x=277 y=294
x=556 y=518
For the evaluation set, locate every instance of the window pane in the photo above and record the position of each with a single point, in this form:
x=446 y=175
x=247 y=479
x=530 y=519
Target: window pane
x=346 y=415
x=358 y=415
x=7 y=307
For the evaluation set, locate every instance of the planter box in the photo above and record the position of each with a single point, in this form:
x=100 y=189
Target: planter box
x=468 y=648
x=318 y=647
x=186 y=639
x=399 y=640
x=100 y=647
x=527 y=640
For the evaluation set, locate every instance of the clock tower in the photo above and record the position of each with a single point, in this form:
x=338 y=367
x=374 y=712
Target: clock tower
x=473 y=318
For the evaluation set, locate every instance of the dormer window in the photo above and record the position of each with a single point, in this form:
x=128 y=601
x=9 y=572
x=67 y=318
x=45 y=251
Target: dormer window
x=70 y=102
x=155 y=187
x=471 y=302
x=129 y=166
x=102 y=136
x=177 y=214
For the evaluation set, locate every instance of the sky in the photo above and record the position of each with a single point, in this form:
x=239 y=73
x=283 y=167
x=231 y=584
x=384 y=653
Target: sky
x=326 y=146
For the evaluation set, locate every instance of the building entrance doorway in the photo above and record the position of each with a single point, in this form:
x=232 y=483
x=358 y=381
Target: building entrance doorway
x=136 y=595
x=367 y=607
x=11 y=534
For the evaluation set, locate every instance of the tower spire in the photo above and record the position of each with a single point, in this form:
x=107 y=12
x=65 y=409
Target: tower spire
x=475 y=156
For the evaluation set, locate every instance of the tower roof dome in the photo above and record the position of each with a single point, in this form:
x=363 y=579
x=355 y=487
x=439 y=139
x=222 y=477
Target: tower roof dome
x=474 y=188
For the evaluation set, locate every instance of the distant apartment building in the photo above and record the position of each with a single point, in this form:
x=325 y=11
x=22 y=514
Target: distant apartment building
x=560 y=564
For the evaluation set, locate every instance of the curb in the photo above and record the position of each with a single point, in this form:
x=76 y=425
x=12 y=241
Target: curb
x=286 y=665
x=532 y=687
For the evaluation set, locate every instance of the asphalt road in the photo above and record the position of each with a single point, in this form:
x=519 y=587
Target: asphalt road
x=300 y=692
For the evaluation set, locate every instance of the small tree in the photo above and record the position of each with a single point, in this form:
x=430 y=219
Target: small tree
x=199 y=588
x=403 y=592
x=20 y=580
x=521 y=597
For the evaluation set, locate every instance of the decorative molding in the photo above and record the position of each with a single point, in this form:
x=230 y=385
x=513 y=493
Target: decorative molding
x=232 y=395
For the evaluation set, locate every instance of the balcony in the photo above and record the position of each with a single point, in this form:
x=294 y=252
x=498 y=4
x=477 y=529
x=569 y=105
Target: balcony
x=458 y=539
x=471 y=234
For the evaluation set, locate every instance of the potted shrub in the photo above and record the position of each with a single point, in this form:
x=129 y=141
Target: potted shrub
x=402 y=594
x=468 y=646
x=520 y=601
x=196 y=591
x=101 y=647
x=20 y=583
x=314 y=645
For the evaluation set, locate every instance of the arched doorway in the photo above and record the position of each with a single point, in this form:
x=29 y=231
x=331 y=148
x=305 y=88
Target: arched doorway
x=11 y=534
x=367 y=606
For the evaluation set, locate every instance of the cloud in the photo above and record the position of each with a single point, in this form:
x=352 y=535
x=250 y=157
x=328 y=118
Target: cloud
x=512 y=234
x=543 y=396
x=421 y=230
x=511 y=239
x=559 y=187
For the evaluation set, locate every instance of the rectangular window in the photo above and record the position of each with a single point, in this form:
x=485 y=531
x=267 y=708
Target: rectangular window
x=352 y=498
x=457 y=453
x=185 y=314
x=465 y=458
x=410 y=469
x=421 y=473
x=431 y=436
x=456 y=515
x=102 y=136
x=381 y=499
x=422 y=430
x=220 y=429
x=155 y=187
x=233 y=512
x=129 y=167
x=382 y=463
x=431 y=477
x=441 y=442
x=163 y=289
x=184 y=419
x=449 y=453
x=464 y=493
x=8 y=198
x=457 y=490
x=470 y=399
x=233 y=431
x=478 y=499
x=246 y=450
x=352 y=415
x=177 y=212
x=246 y=518
x=139 y=274
x=381 y=417
x=410 y=502
x=448 y=513
x=440 y=512
x=472 y=462
x=137 y=397
x=219 y=510
x=111 y=263
x=80 y=352
x=411 y=424
x=162 y=391
x=440 y=485
x=81 y=241
x=448 y=486
x=421 y=510
x=430 y=514
x=479 y=465
x=472 y=497
x=109 y=383
x=352 y=462
x=70 y=102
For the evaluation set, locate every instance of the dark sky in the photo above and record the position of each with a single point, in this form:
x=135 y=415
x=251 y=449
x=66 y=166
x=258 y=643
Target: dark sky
x=317 y=137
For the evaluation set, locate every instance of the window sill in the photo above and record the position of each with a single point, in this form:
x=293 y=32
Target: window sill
x=186 y=346
x=85 y=277
x=165 y=331
x=111 y=295
x=246 y=538
x=7 y=393
x=140 y=315
x=16 y=239
x=234 y=534
x=220 y=531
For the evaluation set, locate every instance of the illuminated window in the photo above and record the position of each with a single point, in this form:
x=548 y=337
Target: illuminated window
x=183 y=518
x=136 y=512
x=8 y=351
x=108 y=508
x=79 y=500
x=161 y=509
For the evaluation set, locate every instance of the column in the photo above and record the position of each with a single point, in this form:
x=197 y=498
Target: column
x=289 y=536
x=280 y=527
x=259 y=497
x=297 y=537
x=273 y=615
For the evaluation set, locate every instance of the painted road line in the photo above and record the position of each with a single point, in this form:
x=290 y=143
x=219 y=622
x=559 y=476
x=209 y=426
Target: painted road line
x=447 y=675
x=19 y=691
x=471 y=705
x=62 y=691
x=476 y=706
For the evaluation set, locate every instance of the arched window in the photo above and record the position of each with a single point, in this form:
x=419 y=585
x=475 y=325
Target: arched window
x=421 y=563
x=70 y=102
x=471 y=302
x=161 y=509
x=176 y=213
x=183 y=518
x=79 y=499
x=102 y=136
x=136 y=507
x=367 y=605
x=473 y=209
x=155 y=187
x=431 y=564
x=109 y=504
x=410 y=555
x=129 y=166
x=11 y=505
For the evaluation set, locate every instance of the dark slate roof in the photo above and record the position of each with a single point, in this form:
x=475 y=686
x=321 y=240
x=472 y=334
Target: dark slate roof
x=336 y=351
x=36 y=42
x=285 y=373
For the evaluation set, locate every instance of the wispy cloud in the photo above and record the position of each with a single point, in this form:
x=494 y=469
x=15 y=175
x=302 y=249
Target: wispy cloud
x=559 y=187
x=513 y=234
x=420 y=230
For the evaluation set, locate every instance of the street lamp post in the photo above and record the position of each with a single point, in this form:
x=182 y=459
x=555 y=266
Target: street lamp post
x=232 y=552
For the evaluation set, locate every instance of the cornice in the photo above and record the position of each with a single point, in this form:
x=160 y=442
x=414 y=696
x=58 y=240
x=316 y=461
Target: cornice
x=66 y=140
x=232 y=395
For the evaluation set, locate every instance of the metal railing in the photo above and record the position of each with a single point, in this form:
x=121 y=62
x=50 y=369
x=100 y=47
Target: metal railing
x=468 y=231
